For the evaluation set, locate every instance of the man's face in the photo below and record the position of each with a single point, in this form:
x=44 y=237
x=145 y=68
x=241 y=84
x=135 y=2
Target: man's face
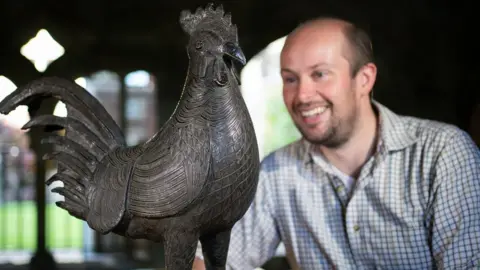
x=318 y=89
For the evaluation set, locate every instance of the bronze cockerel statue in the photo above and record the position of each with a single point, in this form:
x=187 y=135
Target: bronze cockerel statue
x=192 y=181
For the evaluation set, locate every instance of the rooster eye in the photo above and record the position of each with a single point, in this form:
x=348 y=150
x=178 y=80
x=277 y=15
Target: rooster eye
x=198 y=44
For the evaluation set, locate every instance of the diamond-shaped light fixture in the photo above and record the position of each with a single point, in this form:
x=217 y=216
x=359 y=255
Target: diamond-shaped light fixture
x=42 y=50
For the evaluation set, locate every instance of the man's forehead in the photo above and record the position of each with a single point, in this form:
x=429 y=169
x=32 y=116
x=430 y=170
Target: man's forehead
x=312 y=52
x=328 y=24
x=315 y=43
x=316 y=36
x=310 y=55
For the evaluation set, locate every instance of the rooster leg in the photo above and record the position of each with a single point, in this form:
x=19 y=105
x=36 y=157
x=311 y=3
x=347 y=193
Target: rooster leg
x=215 y=249
x=180 y=247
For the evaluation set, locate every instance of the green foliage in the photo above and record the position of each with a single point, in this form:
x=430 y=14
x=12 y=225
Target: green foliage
x=280 y=129
x=18 y=227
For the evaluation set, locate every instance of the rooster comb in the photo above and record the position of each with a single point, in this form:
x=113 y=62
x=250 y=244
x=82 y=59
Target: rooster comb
x=205 y=17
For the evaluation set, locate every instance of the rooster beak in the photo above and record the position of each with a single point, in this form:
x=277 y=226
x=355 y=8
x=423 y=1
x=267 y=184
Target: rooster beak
x=234 y=52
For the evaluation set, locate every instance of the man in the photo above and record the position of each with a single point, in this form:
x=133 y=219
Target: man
x=475 y=125
x=365 y=188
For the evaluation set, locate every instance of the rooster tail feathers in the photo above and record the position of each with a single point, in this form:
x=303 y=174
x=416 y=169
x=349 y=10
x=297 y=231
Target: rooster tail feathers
x=81 y=106
x=90 y=134
x=73 y=190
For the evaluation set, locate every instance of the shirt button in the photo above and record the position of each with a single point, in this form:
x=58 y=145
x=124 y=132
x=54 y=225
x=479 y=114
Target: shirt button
x=356 y=228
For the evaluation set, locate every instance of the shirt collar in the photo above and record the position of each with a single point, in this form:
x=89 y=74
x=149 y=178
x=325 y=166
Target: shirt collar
x=395 y=133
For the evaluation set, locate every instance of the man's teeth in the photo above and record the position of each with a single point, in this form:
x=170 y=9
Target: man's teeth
x=312 y=112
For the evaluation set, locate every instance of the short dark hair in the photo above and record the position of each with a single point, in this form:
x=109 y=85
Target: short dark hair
x=360 y=45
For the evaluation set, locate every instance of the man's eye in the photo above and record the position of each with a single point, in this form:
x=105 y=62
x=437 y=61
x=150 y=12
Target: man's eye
x=289 y=80
x=318 y=74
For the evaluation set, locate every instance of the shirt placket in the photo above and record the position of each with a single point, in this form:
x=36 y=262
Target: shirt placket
x=355 y=209
x=340 y=189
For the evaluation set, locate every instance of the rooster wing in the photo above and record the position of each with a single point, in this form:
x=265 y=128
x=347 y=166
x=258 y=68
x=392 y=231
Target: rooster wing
x=172 y=170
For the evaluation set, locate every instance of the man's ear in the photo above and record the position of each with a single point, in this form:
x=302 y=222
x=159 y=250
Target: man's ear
x=365 y=79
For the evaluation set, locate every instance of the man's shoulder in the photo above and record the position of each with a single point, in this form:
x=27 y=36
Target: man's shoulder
x=427 y=136
x=432 y=132
x=437 y=138
x=423 y=130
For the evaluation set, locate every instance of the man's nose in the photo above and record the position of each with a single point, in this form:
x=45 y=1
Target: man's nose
x=305 y=90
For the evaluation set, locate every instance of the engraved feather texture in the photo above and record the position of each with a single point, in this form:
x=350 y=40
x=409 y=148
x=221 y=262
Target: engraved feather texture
x=193 y=180
x=173 y=169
